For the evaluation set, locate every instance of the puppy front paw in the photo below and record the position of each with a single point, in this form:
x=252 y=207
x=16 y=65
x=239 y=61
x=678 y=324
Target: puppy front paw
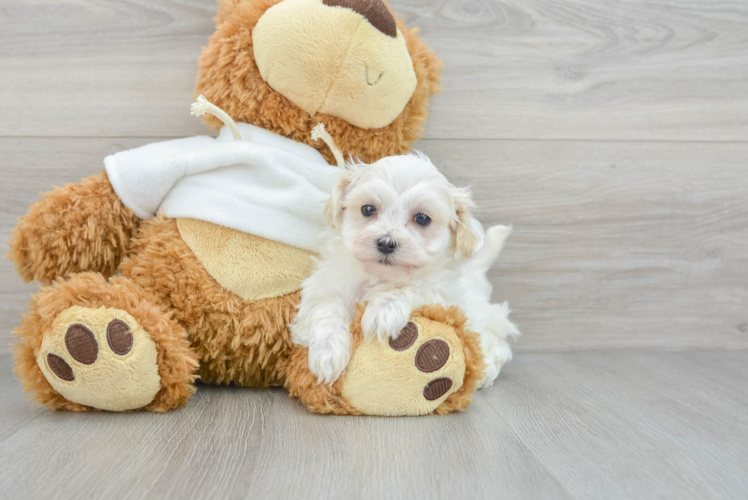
x=329 y=356
x=496 y=355
x=385 y=318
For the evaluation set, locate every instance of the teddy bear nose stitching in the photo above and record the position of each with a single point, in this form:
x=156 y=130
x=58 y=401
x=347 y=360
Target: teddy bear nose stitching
x=375 y=11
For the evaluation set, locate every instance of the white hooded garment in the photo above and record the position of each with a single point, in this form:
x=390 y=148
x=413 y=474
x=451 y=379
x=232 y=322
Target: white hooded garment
x=266 y=184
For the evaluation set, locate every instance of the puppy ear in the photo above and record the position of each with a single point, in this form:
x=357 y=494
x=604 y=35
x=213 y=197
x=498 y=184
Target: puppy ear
x=334 y=207
x=468 y=232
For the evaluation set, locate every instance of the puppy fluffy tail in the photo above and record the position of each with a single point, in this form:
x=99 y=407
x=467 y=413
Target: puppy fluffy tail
x=494 y=242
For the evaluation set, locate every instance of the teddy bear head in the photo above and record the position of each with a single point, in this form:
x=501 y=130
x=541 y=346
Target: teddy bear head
x=288 y=65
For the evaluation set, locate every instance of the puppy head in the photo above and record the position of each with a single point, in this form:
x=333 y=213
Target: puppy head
x=400 y=215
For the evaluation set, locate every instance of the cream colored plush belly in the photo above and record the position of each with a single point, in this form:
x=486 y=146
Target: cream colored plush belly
x=252 y=267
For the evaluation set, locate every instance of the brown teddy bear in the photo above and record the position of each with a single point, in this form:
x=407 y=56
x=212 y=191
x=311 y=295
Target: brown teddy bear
x=207 y=279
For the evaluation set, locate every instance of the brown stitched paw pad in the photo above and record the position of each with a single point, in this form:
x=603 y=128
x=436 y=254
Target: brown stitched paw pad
x=60 y=367
x=119 y=337
x=82 y=344
x=407 y=338
x=432 y=355
x=437 y=388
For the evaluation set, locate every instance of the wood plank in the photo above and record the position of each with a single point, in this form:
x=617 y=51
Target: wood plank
x=578 y=69
x=238 y=443
x=608 y=424
x=34 y=165
x=101 y=67
x=17 y=411
x=616 y=244
x=632 y=424
x=581 y=69
x=12 y=307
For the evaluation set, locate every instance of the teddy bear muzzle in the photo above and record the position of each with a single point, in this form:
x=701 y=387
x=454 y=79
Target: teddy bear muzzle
x=344 y=58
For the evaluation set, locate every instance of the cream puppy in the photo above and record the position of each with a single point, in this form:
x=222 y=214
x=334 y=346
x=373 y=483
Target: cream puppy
x=400 y=237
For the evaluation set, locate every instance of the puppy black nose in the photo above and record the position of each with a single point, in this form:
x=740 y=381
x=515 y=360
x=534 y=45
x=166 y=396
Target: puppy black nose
x=386 y=245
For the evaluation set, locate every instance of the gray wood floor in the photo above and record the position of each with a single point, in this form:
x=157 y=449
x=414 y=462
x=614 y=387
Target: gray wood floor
x=613 y=136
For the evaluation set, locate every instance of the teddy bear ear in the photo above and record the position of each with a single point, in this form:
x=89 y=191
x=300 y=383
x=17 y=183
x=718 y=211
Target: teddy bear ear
x=377 y=12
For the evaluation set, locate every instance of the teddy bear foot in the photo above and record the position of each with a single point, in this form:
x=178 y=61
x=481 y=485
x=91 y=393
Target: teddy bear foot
x=433 y=366
x=411 y=375
x=100 y=358
x=79 y=353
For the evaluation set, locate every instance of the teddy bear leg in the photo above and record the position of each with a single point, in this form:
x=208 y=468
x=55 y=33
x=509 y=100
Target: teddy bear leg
x=432 y=367
x=89 y=344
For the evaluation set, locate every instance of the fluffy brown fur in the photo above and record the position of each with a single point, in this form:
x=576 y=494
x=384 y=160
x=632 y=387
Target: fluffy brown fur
x=302 y=383
x=236 y=340
x=319 y=398
x=74 y=228
x=176 y=361
x=328 y=399
x=230 y=79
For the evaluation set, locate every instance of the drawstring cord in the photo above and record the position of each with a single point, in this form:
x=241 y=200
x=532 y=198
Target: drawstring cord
x=203 y=106
x=319 y=132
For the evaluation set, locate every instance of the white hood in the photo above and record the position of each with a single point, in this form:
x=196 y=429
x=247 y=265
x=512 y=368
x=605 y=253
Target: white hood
x=264 y=185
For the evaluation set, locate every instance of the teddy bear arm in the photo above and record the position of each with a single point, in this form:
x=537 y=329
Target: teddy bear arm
x=74 y=228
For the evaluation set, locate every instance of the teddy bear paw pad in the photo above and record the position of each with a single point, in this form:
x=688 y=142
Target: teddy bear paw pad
x=410 y=375
x=100 y=358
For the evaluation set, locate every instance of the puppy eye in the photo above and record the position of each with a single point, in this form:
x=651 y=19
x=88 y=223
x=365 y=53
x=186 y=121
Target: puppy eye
x=422 y=219
x=368 y=210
